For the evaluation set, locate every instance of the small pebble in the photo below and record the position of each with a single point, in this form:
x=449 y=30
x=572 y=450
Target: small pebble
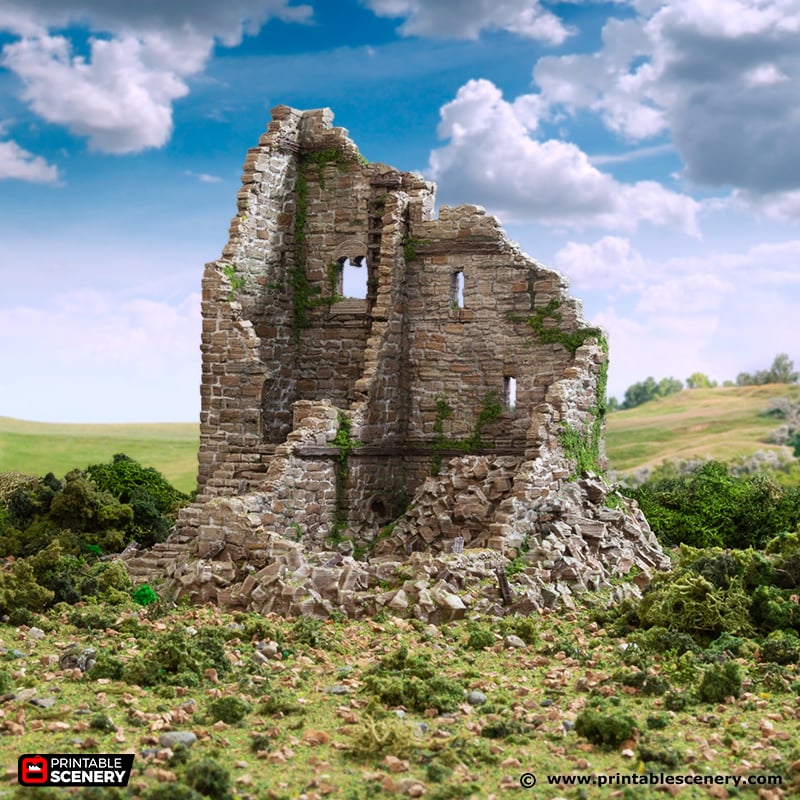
x=35 y=634
x=476 y=698
x=513 y=641
x=338 y=688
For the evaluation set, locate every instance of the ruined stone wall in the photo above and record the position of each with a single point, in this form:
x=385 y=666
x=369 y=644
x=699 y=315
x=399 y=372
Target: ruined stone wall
x=382 y=425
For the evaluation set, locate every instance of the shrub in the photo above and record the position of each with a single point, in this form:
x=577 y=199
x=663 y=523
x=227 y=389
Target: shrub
x=779 y=648
x=720 y=681
x=229 y=710
x=695 y=605
x=376 y=737
x=145 y=595
x=412 y=681
x=605 y=725
x=711 y=507
x=210 y=778
x=480 y=636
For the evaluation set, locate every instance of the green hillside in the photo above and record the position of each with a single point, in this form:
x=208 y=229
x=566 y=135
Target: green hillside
x=40 y=447
x=720 y=423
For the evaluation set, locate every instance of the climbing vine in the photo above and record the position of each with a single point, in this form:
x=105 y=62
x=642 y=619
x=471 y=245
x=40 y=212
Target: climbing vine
x=410 y=245
x=555 y=335
x=236 y=281
x=583 y=447
x=345 y=443
x=491 y=409
x=304 y=295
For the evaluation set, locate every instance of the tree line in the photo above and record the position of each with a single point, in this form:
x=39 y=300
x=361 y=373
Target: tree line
x=781 y=371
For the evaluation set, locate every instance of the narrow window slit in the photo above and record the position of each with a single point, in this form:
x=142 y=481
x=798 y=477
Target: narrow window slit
x=457 y=289
x=510 y=392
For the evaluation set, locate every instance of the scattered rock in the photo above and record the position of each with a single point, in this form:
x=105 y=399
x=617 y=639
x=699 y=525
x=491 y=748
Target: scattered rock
x=173 y=739
x=512 y=641
x=73 y=658
x=476 y=698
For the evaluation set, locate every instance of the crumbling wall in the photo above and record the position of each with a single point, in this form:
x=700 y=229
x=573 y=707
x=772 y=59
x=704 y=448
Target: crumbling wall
x=457 y=402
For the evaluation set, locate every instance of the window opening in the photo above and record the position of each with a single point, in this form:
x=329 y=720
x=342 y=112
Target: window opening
x=354 y=278
x=510 y=392
x=457 y=289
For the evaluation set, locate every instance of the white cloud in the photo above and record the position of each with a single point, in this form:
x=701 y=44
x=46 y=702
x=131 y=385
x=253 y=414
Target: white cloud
x=121 y=96
x=678 y=315
x=203 y=177
x=136 y=359
x=492 y=159
x=719 y=76
x=18 y=163
x=465 y=19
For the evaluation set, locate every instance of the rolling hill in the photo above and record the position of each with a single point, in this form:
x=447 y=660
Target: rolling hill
x=720 y=423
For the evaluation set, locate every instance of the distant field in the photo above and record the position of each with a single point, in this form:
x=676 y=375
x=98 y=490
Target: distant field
x=718 y=423
x=39 y=447
x=702 y=423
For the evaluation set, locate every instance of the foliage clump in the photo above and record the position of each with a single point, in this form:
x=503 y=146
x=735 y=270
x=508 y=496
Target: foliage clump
x=719 y=681
x=414 y=682
x=711 y=507
x=178 y=659
x=605 y=724
x=210 y=778
x=229 y=710
x=377 y=736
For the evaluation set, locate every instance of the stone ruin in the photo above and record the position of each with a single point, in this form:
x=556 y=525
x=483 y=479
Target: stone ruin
x=399 y=410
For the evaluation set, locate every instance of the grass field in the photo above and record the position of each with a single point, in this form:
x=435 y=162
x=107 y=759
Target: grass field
x=39 y=447
x=721 y=423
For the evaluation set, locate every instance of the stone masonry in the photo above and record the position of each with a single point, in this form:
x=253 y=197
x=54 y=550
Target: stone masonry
x=390 y=397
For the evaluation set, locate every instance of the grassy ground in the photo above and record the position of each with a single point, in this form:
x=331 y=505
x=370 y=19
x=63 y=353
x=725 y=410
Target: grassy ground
x=38 y=447
x=721 y=423
x=317 y=719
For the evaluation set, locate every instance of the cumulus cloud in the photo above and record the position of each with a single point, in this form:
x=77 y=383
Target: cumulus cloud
x=120 y=97
x=138 y=359
x=18 y=163
x=686 y=314
x=465 y=19
x=720 y=77
x=492 y=158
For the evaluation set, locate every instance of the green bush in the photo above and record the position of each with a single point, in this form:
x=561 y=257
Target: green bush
x=778 y=648
x=605 y=725
x=145 y=595
x=720 y=681
x=711 y=507
x=414 y=682
x=210 y=778
x=480 y=636
x=229 y=710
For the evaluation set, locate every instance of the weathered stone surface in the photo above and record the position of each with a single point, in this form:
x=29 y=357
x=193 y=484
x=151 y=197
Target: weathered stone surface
x=322 y=416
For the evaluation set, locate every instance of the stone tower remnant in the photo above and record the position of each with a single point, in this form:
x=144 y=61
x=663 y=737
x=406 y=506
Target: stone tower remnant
x=409 y=389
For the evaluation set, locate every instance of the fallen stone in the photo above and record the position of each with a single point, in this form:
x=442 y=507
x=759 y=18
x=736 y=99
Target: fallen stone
x=173 y=739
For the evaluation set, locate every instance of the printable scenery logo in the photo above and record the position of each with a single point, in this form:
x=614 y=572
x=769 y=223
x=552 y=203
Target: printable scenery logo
x=68 y=770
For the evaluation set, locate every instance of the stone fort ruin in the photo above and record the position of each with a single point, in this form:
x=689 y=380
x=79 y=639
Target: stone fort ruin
x=390 y=398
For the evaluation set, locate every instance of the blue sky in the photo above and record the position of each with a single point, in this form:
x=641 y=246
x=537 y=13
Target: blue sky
x=645 y=148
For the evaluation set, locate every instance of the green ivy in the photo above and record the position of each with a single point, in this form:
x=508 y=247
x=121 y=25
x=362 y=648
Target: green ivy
x=491 y=409
x=555 y=335
x=345 y=443
x=237 y=282
x=302 y=290
x=410 y=245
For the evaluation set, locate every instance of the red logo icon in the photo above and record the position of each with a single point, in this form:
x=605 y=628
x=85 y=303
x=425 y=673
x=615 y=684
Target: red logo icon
x=33 y=770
